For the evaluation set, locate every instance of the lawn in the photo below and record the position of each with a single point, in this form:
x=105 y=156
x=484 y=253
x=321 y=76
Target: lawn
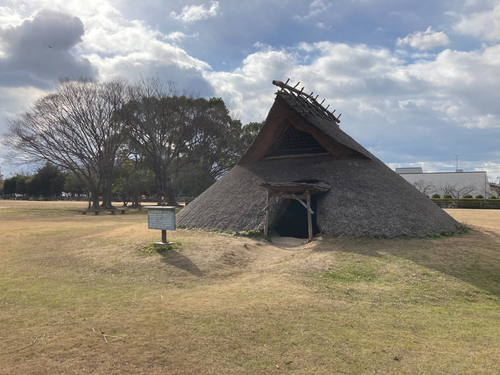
x=89 y=294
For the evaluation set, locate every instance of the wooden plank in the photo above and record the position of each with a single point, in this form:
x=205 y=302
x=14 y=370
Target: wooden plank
x=293 y=196
x=266 y=227
x=309 y=216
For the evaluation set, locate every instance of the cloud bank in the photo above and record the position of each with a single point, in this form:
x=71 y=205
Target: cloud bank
x=409 y=96
x=38 y=51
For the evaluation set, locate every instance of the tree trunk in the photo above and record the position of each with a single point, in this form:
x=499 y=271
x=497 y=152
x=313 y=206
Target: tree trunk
x=95 y=201
x=171 y=194
x=108 y=196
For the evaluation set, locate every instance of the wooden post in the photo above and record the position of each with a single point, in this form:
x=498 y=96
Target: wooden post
x=267 y=214
x=309 y=216
x=164 y=236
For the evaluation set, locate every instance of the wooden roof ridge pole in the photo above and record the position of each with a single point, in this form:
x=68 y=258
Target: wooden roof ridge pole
x=313 y=100
x=293 y=89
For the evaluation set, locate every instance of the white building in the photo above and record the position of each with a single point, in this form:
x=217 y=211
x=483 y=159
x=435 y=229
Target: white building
x=457 y=184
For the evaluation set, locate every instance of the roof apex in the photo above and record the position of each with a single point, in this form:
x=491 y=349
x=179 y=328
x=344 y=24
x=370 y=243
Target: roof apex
x=310 y=102
x=304 y=113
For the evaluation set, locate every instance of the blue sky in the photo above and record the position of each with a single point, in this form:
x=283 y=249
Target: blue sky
x=417 y=82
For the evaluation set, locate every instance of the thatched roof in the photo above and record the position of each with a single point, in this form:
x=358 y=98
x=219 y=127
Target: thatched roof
x=365 y=198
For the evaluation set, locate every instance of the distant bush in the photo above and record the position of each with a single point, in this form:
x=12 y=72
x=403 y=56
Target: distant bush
x=447 y=196
x=492 y=197
x=436 y=196
x=479 y=196
x=467 y=196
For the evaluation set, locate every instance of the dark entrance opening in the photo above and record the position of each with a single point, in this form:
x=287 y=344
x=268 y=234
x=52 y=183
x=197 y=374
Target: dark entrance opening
x=293 y=222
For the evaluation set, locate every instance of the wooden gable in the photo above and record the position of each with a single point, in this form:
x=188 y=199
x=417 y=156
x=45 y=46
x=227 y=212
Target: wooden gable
x=287 y=133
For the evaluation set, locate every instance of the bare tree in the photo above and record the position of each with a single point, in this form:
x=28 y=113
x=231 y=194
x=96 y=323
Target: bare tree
x=172 y=131
x=424 y=187
x=457 y=192
x=77 y=129
x=494 y=188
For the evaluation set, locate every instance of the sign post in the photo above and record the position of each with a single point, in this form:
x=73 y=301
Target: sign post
x=163 y=218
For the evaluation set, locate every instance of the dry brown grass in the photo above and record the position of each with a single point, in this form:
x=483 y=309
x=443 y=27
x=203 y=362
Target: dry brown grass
x=88 y=294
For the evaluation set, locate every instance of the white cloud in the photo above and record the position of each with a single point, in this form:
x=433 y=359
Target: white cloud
x=315 y=9
x=178 y=36
x=423 y=56
x=130 y=49
x=481 y=25
x=104 y=42
x=15 y=99
x=481 y=122
x=197 y=12
x=372 y=85
x=337 y=72
x=12 y=101
x=9 y=17
x=322 y=26
x=428 y=39
x=248 y=89
x=38 y=51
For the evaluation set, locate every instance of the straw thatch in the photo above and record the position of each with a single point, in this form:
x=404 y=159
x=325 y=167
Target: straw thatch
x=366 y=198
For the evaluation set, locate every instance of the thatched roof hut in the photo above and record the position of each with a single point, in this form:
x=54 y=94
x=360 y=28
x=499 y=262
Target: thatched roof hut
x=304 y=173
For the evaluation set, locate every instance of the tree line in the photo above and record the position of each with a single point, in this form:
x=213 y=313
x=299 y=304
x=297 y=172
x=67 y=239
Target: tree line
x=130 y=138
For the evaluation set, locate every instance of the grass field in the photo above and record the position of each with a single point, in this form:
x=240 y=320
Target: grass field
x=89 y=294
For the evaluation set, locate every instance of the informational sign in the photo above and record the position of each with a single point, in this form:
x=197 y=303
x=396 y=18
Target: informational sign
x=161 y=217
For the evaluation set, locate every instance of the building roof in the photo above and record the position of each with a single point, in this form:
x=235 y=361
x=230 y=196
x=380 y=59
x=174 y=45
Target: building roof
x=409 y=170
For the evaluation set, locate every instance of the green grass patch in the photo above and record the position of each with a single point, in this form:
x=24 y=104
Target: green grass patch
x=352 y=275
x=463 y=229
x=152 y=249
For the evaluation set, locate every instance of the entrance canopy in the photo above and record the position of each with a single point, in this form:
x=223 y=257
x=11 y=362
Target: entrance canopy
x=297 y=190
x=296 y=187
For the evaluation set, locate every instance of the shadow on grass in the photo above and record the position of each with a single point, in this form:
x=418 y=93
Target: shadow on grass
x=473 y=258
x=176 y=259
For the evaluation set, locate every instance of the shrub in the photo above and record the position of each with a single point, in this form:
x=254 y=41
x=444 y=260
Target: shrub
x=492 y=197
x=479 y=196
x=467 y=196
x=436 y=196
x=463 y=229
x=445 y=233
x=447 y=196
